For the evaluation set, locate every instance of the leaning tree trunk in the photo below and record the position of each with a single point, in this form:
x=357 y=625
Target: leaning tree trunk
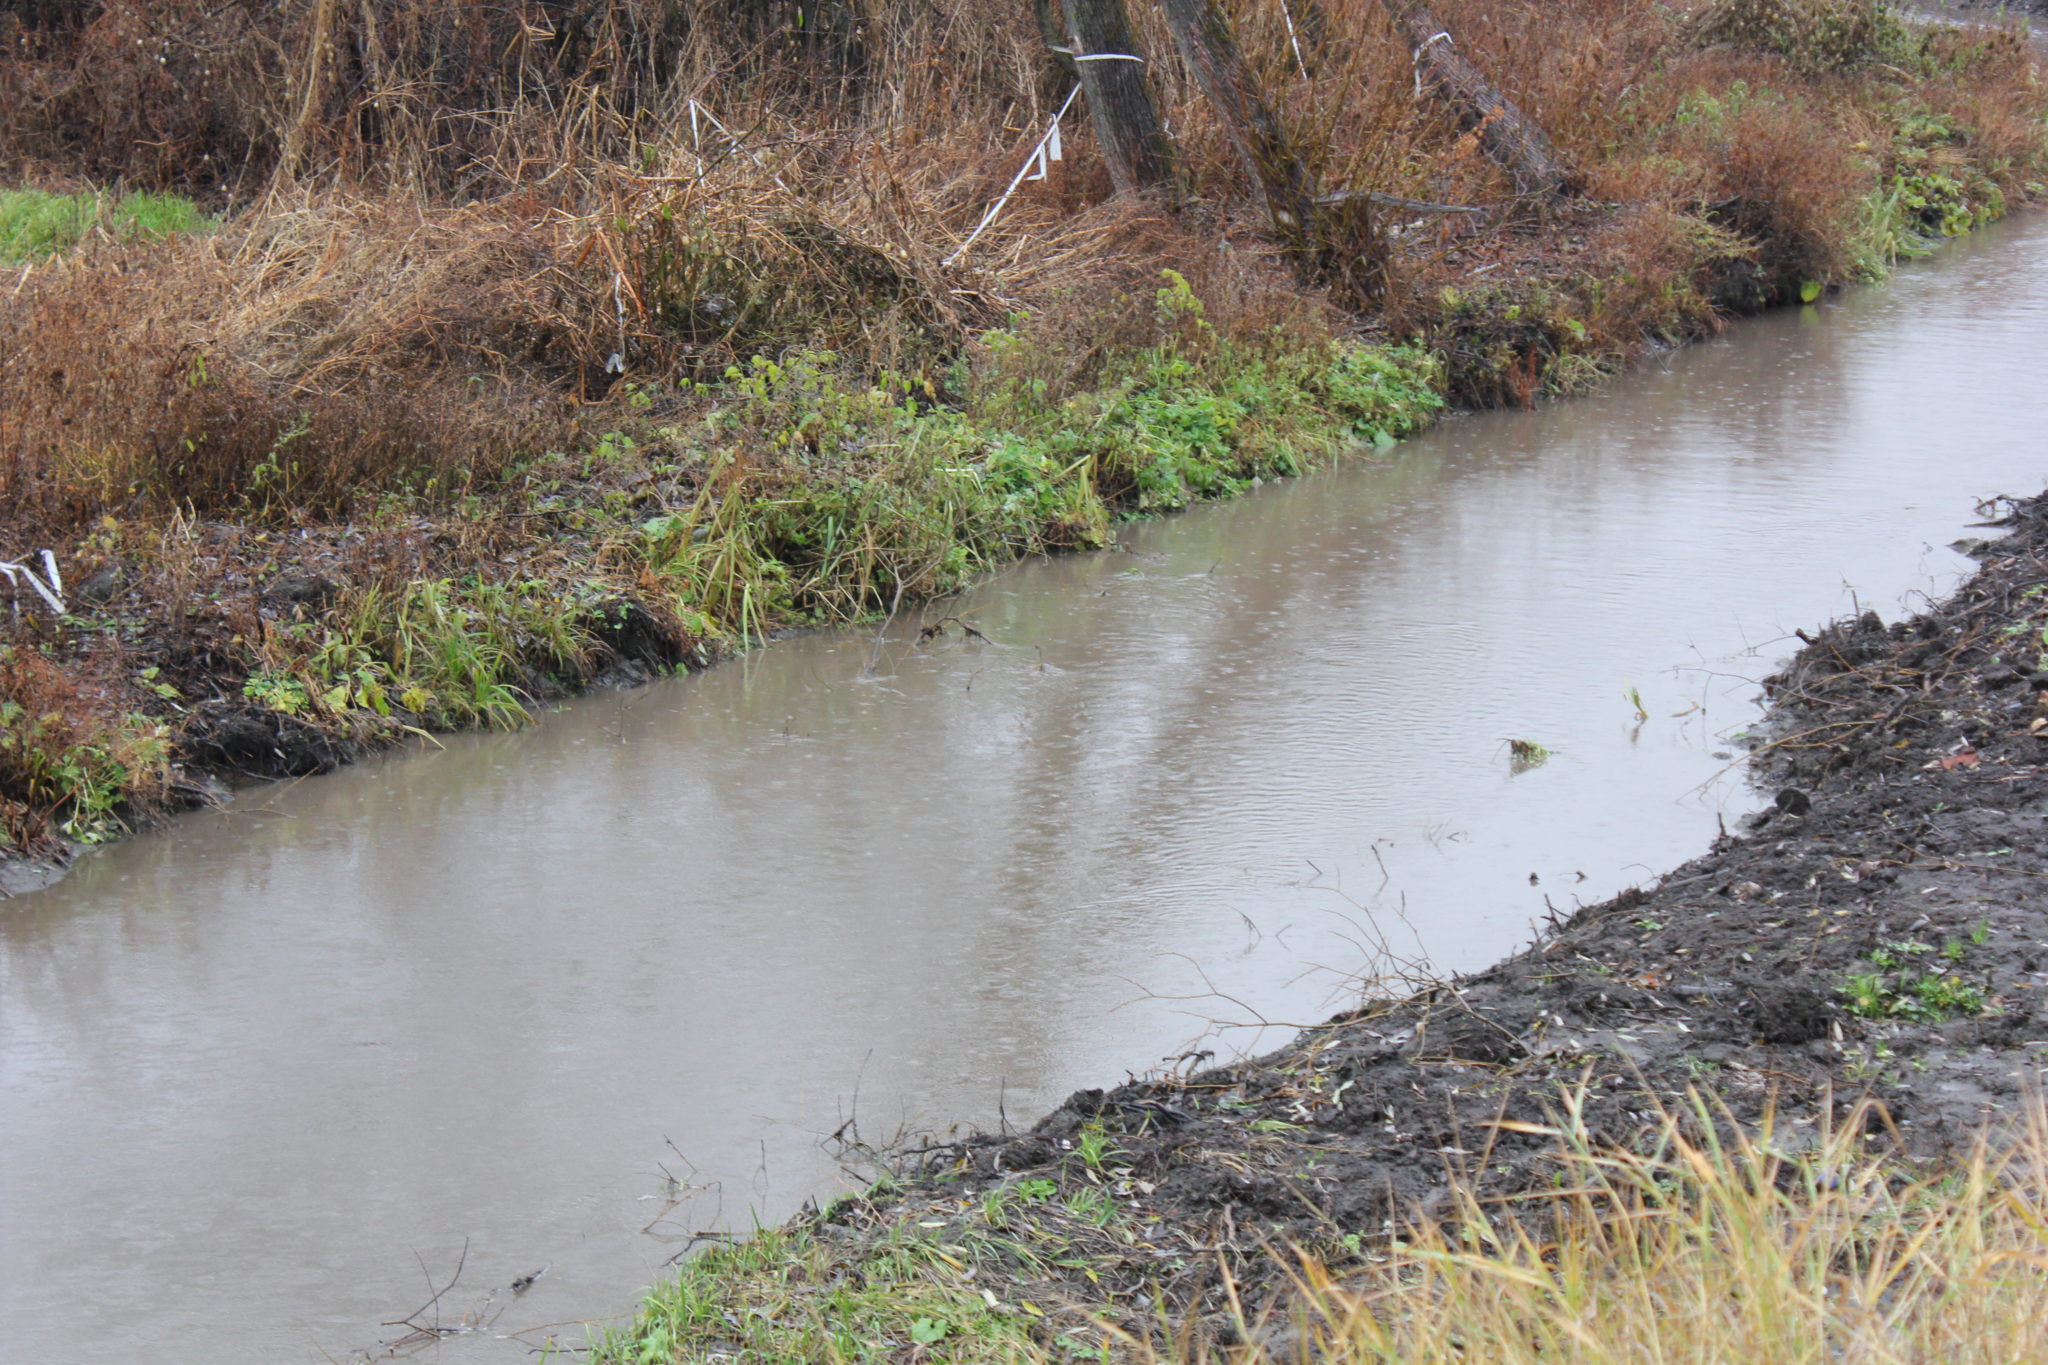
x=1333 y=237
x=1119 y=104
x=1203 y=36
x=1508 y=136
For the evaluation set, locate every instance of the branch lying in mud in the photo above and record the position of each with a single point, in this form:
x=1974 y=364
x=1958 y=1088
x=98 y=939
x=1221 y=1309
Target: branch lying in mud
x=1784 y=742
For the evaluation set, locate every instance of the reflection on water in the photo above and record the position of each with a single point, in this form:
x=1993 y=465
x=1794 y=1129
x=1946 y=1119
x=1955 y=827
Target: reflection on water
x=255 y=1064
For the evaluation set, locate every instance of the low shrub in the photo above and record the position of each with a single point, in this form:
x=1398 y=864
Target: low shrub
x=72 y=762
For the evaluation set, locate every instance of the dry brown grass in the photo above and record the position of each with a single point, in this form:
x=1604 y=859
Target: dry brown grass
x=1770 y=165
x=292 y=364
x=866 y=139
x=460 y=222
x=1784 y=1246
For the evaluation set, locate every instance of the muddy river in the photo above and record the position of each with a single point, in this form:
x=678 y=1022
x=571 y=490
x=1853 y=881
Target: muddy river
x=266 y=1072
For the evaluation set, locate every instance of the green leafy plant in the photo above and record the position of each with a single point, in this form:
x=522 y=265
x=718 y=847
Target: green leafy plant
x=280 y=692
x=86 y=784
x=1900 y=990
x=1093 y=1146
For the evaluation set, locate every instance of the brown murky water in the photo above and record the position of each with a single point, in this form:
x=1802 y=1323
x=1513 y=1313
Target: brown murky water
x=257 y=1068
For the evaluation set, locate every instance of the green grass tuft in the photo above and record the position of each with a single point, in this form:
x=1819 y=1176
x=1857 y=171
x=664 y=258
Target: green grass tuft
x=34 y=224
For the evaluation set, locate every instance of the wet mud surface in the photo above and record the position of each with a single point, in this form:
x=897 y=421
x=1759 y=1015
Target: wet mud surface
x=1880 y=932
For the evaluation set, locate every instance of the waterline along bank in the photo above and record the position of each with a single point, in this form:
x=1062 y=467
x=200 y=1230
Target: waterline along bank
x=1851 y=983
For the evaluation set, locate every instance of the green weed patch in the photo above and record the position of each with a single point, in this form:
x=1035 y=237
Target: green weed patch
x=34 y=224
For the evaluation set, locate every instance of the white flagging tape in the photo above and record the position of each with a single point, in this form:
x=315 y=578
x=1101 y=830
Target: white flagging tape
x=1445 y=39
x=50 y=587
x=1053 y=150
x=1045 y=151
x=1287 y=17
x=616 y=362
x=698 y=111
x=1074 y=56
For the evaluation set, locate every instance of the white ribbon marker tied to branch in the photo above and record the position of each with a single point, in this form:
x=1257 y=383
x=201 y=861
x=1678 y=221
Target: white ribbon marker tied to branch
x=1420 y=52
x=1037 y=162
x=701 y=118
x=49 y=586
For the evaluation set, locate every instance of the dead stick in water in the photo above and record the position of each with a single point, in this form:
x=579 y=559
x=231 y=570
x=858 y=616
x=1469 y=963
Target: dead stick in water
x=407 y=1320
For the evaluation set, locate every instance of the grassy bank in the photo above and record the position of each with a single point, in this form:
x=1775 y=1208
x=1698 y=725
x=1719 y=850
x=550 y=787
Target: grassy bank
x=504 y=357
x=1699 y=1246
x=713 y=514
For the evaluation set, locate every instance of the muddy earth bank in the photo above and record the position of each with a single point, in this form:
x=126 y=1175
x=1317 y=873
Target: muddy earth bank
x=1881 y=932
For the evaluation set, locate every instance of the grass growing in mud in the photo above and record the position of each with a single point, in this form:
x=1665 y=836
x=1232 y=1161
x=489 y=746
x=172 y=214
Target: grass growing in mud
x=954 y=1283
x=777 y=1297
x=1702 y=1246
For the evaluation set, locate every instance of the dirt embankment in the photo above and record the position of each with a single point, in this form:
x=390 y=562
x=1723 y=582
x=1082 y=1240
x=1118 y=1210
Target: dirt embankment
x=1881 y=932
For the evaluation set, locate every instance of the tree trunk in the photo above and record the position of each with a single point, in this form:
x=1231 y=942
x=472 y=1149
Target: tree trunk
x=1052 y=28
x=1289 y=189
x=313 y=99
x=1119 y=104
x=1506 y=135
x=1336 y=238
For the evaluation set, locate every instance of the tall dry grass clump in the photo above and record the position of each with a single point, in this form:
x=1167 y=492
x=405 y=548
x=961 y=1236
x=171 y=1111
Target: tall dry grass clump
x=705 y=182
x=455 y=227
x=445 y=92
x=296 y=361
x=1786 y=1246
